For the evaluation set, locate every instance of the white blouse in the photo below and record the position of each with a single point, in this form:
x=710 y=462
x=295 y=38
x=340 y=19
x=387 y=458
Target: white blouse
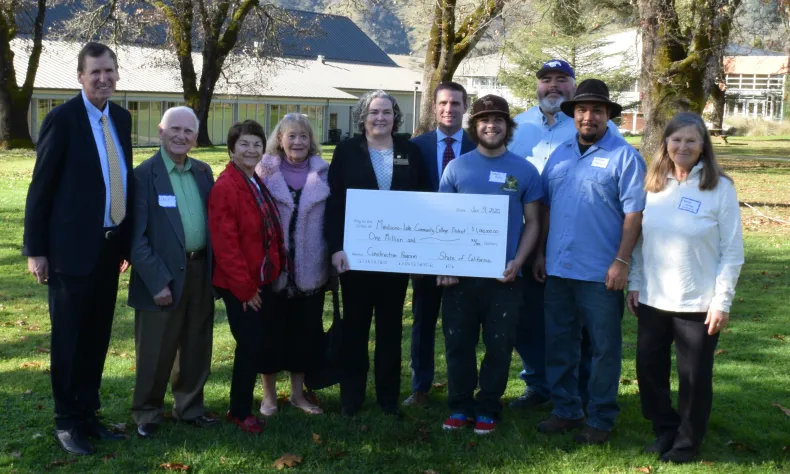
x=690 y=254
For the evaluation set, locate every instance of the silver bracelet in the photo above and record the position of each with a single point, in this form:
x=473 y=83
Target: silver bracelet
x=623 y=261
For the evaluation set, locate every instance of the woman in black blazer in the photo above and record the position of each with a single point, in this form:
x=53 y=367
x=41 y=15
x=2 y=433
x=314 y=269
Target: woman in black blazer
x=375 y=160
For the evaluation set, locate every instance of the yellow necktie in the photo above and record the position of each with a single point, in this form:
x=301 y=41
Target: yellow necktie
x=117 y=202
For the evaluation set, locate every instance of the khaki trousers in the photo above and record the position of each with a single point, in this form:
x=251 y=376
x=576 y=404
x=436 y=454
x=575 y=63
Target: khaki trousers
x=176 y=345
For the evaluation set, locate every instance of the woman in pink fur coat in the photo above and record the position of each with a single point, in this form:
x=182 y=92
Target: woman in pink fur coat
x=296 y=176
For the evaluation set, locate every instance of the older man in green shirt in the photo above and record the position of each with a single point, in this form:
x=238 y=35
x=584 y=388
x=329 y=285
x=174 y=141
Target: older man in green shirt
x=170 y=287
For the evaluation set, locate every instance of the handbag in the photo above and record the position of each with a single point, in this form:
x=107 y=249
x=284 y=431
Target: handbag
x=329 y=372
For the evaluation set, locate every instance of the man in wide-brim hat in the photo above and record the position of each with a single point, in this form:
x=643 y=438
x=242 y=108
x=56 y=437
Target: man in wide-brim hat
x=594 y=197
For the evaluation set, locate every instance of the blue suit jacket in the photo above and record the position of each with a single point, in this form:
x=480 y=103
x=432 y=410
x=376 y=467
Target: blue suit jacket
x=427 y=144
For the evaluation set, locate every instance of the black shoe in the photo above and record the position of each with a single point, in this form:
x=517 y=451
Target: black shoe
x=348 y=412
x=72 y=441
x=680 y=456
x=554 y=424
x=591 y=435
x=392 y=411
x=96 y=429
x=147 y=430
x=202 y=422
x=661 y=444
x=529 y=399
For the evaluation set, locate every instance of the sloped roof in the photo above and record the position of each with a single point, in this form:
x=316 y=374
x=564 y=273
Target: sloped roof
x=146 y=69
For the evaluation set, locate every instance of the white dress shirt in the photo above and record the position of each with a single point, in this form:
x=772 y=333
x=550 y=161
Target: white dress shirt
x=690 y=254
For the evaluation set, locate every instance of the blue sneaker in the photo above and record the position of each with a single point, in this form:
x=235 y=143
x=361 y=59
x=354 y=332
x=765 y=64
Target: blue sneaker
x=484 y=425
x=456 y=421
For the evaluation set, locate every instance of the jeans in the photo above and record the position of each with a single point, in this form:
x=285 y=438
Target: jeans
x=531 y=341
x=426 y=302
x=572 y=305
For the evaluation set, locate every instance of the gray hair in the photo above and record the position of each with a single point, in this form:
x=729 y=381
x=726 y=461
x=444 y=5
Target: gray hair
x=274 y=147
x=180 y=108
x=360 y=111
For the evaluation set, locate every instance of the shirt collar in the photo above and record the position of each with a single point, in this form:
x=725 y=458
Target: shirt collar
x=608 y=141
x=95 y=114
x=559 y=117
x=457 y=136
x=694 y=174
x=170 y=164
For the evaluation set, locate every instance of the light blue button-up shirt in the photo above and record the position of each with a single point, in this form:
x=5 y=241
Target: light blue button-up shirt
x=589 y=196
x=94 y=116
x=535 y=139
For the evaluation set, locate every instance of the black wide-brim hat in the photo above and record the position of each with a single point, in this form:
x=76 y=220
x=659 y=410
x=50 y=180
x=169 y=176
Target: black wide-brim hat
x=591 y=90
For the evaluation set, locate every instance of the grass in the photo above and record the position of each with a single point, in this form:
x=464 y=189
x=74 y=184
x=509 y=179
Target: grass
x=747 y=433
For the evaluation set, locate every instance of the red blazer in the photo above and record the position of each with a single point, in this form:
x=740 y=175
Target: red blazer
x=234 y=222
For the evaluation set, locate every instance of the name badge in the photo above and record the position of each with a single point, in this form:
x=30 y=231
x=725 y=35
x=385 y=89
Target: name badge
x=497 y=177
x=689 y=205
x=167 y=200
x=400 y=161
x=599 y=162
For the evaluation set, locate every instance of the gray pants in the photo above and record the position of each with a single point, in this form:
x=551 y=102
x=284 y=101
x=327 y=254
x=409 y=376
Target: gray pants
x=176 y=345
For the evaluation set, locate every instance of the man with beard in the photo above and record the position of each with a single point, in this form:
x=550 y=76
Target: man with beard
x=439 y=147
x=494 y=304
x=594 y=195
x=540 y=130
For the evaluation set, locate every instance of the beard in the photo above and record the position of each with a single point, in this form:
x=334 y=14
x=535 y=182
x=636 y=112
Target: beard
x=551 y=105
x=493 y=145
x=589 y=137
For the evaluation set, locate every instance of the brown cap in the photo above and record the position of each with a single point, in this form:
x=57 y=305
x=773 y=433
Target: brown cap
x=490 y=104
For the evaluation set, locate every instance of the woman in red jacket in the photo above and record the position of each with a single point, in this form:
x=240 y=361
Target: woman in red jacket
x=249 y=255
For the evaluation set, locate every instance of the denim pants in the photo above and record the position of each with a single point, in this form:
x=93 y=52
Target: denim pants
x=570 y=306
x=471 y=304
x=531 y=340
x=426 y=302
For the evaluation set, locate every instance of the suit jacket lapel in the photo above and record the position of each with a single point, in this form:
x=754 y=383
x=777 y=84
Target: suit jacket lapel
x=162 y=186
x=432 y=159
x=467 y=145
x=200 y=172
x=400 y=173
x=83 y=122
x=366 y=167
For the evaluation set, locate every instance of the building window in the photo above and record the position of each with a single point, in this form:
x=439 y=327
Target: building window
x=315 y=114
x=146 y=116
x=220 y=118
x=44 y=107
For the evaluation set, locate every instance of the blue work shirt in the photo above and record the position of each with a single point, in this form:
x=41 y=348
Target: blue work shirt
x=535 y=139
x=94 y=117
x=589 y=196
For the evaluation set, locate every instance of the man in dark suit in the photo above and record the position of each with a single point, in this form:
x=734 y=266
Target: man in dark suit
x=170 y=288
x=439 y=147
x=77 y=227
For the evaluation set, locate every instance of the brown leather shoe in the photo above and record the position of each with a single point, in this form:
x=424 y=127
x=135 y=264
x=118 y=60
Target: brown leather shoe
x=591 y=435
x=416 y=399
x=554 y=424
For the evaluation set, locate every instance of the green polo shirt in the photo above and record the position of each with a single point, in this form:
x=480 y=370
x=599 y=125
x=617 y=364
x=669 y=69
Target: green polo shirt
x=189 y=203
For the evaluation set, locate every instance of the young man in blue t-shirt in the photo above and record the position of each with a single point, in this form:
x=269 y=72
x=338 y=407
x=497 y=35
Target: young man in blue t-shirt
x=494 y=304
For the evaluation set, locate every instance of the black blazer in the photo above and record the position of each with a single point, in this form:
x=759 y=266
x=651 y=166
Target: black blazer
x=351 y=169
x=158 y=253
x=429 y=149
x=64 y=212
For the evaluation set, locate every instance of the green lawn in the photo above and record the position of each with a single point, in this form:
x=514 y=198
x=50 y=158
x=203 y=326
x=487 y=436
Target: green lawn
x=747 y=433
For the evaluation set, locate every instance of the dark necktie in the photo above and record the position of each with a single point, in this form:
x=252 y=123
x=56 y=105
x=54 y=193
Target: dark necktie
x=448 y=154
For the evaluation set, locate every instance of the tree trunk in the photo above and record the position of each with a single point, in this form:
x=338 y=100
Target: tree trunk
x=448 y=46
x=15 y=100
x=717 y=112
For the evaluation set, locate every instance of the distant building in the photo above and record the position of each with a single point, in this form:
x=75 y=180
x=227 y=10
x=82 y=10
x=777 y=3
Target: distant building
x=321 y=77
x=755 y=83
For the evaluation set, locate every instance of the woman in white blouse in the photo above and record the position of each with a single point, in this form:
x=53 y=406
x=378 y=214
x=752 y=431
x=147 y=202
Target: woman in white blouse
x=682 y=283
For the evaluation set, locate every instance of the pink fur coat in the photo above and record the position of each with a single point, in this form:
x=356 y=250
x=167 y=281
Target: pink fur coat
x=311 y=260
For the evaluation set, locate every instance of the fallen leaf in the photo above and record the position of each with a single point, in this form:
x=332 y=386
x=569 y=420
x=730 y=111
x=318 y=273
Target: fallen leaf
x=42 y=349
x=132 y=368
x=645 y=469
x=223 y=459
x=21 y=323
x=317 y=438
x=364 y=428
x=282 y=395
x=429 y=471
x=708 y=463
x=16 y=454
x=425 y=433
x=738 y=446
x=107 y=457
x=439 y=386
x=28 y=365
x=778 y=337
x=33 y=327
x=60 y=462
x=124 y=355
x=174 y=466
x=287 y=460
x=39 y=407
x=786 y=448
x=336 y=453
x=27 y=392
x=470 y=445
x=37 y=435
x=625 y=381
x=786 y=411
x=119 y=428
x=721 y=352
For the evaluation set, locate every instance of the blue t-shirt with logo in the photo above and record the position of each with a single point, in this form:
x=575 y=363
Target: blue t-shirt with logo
x=508 y=175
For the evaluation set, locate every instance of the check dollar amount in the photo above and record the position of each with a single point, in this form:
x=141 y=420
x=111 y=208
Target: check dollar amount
x=426 y=233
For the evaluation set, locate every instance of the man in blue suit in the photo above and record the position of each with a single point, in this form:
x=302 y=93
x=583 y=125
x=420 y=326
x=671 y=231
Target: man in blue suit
x=438 y=147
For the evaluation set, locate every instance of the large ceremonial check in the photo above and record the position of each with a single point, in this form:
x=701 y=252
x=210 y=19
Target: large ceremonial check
x=426 y=233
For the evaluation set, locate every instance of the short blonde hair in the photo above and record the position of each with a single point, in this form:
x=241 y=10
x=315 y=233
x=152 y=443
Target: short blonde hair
x=274 y=147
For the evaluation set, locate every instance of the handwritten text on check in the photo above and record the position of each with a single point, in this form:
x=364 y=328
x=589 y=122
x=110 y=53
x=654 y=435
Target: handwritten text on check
x=426 y=233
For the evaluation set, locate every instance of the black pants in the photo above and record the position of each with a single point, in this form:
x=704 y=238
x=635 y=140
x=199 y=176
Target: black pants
x=81 y=310
x=694 y=353
x=363 y=294
x=248 y=329
x=471 y=304
x=293 y=331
